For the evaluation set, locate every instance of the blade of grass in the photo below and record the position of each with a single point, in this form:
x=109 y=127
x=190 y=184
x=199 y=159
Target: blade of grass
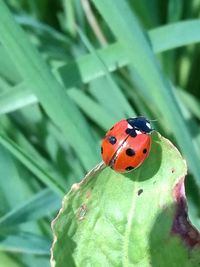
x=69 y=18
x=31 y=164
x=175 y=35
x=9 y=173
x=100 y=90
x=113 y=56
x=25 y=243
x=98 y=114
x=26 y=20
x=40 y=205
x=24 y=143
x=162 y=38
x=89 y=69
x=16 y=98
x=148 y=11
x=49 y=92
x=190 y=101
x=22 y=97
x=31 y=260
x=7 y=69
x=119 y=97
x=126 y=28
x=6 y=260
x=4 y=85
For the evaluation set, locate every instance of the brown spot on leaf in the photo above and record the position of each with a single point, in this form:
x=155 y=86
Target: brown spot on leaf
x=88 y=194
x=181 y=224
x=173 y=170
x=81 y=212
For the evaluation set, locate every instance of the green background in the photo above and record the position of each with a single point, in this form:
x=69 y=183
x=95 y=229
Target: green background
x=72 y=72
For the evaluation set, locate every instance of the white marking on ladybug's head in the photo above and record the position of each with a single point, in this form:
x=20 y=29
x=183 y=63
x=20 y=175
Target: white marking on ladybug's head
x=138 y=132
x=148 y=125
x=129 y=126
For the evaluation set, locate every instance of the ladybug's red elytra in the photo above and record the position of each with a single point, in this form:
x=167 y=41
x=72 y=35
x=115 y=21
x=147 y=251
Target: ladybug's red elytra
x=127 y=144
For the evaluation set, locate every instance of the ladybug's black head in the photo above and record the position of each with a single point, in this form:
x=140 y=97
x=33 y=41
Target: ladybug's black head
x=140 y=123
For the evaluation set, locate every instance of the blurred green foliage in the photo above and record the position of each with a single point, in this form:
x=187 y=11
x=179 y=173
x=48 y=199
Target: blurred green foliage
x=62 y=86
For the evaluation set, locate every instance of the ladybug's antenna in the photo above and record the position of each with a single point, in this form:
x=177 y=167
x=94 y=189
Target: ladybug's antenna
x=154 y=120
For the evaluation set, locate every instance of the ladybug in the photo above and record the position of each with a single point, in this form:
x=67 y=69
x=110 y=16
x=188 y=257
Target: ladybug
x=127 y=144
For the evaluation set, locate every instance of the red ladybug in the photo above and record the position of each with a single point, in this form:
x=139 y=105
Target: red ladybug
x=127 y=144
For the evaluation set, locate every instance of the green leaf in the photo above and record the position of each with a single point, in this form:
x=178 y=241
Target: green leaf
x=128 y=219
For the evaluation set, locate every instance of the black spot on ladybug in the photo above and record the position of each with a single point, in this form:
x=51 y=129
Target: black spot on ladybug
x=129 y=168
x=131 y=132
x=111 y=128
x=112 y=140
x=130 y=152
x=140 y=191
x=101 y=150
x=128 y=130
x=145 y=151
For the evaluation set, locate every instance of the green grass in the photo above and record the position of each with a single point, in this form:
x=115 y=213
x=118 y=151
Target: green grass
x=61 y=88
